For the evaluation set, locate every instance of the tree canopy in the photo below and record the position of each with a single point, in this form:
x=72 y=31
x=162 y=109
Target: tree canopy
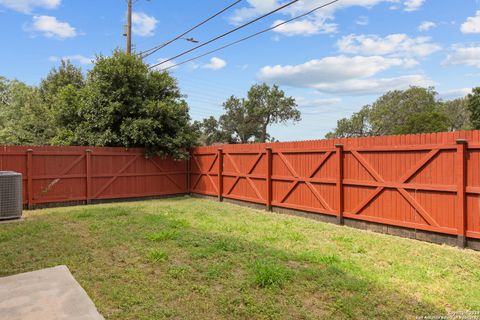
x=248 y=119
x=415 y=110
x=473 y=105
x=120 y=103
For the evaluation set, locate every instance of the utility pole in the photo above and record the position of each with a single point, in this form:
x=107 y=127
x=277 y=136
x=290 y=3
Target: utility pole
x=129 y=27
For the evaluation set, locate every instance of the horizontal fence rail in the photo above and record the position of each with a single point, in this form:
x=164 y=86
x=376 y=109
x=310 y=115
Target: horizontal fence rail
x=427 y=182
x=84 y=174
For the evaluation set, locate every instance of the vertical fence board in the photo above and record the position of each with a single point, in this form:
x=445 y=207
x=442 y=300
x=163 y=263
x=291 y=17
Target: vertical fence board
x=409 y=181
x=81 y=174
x=427 y=182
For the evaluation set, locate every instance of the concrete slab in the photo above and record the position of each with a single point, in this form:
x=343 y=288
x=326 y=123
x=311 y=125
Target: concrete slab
x=51 y=294
x=11 y=220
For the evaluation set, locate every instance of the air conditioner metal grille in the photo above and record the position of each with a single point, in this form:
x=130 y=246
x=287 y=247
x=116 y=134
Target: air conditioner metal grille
x=10 y=195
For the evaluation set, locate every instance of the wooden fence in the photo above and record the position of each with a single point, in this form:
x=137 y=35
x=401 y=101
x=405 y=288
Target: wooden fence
x=425 y=182
x=84 y=174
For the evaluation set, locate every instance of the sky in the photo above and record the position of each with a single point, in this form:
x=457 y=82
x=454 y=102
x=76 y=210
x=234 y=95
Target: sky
x=332 y=62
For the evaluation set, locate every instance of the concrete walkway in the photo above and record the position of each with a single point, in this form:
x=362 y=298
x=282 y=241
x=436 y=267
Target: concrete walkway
x=50 y=294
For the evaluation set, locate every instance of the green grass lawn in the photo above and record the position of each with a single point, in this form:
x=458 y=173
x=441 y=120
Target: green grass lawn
x=186 y=258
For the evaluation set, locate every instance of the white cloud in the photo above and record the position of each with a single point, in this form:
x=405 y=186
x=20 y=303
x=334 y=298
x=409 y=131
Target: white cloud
x=303 y=27
x=73 y=58
x=393 y=44
x=309 y=106
x=454 y=93
x=50 y=27
x=333 y=69
x=426 y=25
x=469 y=56
x=215 y=64
x=167 y=65
x=143 y=25
x=374 y=86
x=472 y=25
x=413 y=5
x=26 y=6
x=305 y=103
x=362 y=21
x=319 y=21
x=342 y=75
x=257 y=7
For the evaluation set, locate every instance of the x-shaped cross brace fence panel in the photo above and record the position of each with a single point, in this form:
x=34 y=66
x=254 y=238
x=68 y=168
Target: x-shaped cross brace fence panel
x=248 y=176
x=204 y=172
x=400 y=185
x=309 y=181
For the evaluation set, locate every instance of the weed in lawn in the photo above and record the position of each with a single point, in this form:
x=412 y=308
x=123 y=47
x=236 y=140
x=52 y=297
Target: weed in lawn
x=229 y=245
x=162 y=235
x=156 y=255
x=318 y=258
x=206 y=266
x=202 y=290
x=178 y=223
x=295 y=236
x=99 y=212
x=118 y=212
x=84 y=214
x=358 y=249
x=152 y=219
x=349 y=244
x=93 y=227
x=178 y=272
x=270 y=274
x=217 y=270
x=342 y=239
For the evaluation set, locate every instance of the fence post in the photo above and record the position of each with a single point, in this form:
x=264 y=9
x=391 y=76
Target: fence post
x=189 y=168
x=220 y=175
x=461 y=178
x=30 y=179
x=339 y=184
x=88 y=172
x=269 y=179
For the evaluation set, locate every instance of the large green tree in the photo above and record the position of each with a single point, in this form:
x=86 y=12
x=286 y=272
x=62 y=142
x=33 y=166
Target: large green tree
x=457 y=113
x=210 y=132
x=248 y=119
x=473 y=104
x=415 y=110
x=355 y=126
x=238 y=124
x=58 y=78
x=24 y=118
x=269 y=105
x=123 y=103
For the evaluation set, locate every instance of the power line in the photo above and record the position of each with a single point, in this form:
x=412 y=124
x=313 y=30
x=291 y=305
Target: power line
x=250 y=36
x=192 y=79
x=151 y=51
x=225 y=34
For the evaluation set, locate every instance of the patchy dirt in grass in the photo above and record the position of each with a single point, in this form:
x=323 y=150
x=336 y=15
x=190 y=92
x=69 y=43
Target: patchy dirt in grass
x=187 y=258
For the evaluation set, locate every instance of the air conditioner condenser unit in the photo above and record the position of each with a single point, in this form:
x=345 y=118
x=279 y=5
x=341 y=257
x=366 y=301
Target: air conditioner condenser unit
x=10 y=195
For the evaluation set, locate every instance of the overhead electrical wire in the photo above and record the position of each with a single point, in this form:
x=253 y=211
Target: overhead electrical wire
x=151 y=51
x=248 y=37
x=226 y=33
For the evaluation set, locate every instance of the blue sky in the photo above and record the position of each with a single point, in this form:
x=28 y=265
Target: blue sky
x=333 y=62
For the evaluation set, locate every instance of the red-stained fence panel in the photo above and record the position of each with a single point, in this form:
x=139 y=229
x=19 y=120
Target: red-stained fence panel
x=64 y=174
x=427 y=181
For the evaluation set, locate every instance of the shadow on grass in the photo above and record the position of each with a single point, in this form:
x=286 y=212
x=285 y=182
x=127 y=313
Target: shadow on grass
x=153 y=263
x=252 y=273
